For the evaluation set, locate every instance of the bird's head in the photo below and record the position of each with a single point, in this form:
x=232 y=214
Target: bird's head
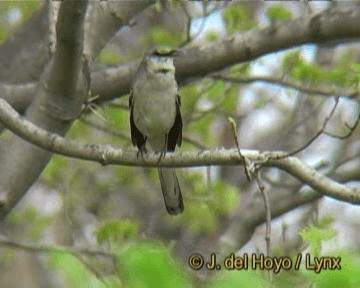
x=160 y=60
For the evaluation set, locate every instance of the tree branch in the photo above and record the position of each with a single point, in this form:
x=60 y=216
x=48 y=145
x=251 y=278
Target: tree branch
x=322 y=91
x=335 y=24
x=54 y=249
x=31 y=43
x=243 y=225
x=60 y=94
x=330 y=25
x=109 y=155
x=103 y=20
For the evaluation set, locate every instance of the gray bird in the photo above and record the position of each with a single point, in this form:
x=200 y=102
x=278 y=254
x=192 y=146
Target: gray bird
x=155 y=118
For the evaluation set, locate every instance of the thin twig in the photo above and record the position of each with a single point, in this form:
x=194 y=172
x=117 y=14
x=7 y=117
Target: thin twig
x=92 y=269
x=53 y=249
x=261 y=187
x=233 y=128
x=109 y=130
x=288 y=84
x=317 y=135
x=67 y=250
x=119 y=105
x=351 y=129
x=205 y=13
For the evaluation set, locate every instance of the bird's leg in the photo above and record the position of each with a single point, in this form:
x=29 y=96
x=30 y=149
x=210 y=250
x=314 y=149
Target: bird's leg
x=142 y=150
x=163 y=152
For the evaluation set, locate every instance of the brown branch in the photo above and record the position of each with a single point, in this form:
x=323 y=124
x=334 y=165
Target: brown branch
x=333 y=24
x=55 y=249
x=322 y=91
x=117 y=133
x=243 y=225
x=351 y=129
x=109 y=155
x=265 y=196
x=336 y=24
x=103 y=20
x=60 y=95
x=76 y=252
x=317 y=135
x=236 y=139
x=31 y=44
x=105 y=129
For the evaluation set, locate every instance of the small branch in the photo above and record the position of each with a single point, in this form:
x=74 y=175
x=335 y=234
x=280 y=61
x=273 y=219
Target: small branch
x=92 y=269
x=352 y=94
x=317 y=135
x=194 y=142
x=66 y=250
x=55 y=249
x=263 y=192
x=334 y=25
x=105 y=129
x=351 y=129
x=118 y=133
x=233 y=128
x=109 y=155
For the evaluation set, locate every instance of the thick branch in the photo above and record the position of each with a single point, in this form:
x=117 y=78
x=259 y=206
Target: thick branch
x=62 y=90
x=104 y=19
x=24 y=55
x=338 y=24
x=109 y=155
x=243 y=225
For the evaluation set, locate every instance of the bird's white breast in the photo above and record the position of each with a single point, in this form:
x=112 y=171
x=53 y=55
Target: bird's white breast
x=155 y=105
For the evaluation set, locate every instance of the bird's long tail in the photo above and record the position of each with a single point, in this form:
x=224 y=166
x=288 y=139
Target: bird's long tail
x=171 y=191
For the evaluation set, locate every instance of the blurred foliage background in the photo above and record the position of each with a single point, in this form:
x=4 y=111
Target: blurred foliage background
x=120 y=209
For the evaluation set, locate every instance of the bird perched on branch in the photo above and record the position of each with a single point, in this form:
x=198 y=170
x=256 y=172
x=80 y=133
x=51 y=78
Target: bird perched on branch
x=155 y=118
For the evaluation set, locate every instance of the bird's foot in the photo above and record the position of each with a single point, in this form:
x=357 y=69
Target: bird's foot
x=141 y=152
x=162 y=155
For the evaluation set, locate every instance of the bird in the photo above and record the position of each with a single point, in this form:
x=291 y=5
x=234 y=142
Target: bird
x=155 y=117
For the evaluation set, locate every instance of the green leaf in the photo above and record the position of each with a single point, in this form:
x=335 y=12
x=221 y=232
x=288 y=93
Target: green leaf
x=207 y=222
x=151 y=265
x=244 y=279
x=161 y=36
x=356 y=68
x=116 y=116
x=278 y=12
x=226 y=198
x=237 y=18
x=291 y=59
x=241 y=70
x=231 y=98
x=53 y=172
x=316 y=234
x=76 y=274
x=216 y=91
x=347 y=277
x=116 y=231
x=212 y=36
x=201 y=128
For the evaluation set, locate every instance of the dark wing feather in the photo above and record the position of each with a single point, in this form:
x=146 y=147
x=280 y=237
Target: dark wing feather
x=175 y=133
x=137 y=137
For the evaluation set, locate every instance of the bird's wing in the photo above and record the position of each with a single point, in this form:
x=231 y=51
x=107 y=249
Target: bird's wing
x=175 y=133
x=137 y=137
